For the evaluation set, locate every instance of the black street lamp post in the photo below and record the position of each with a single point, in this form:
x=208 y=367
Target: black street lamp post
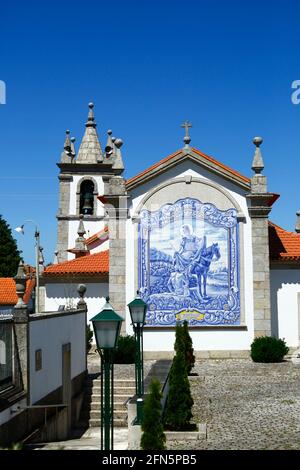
x=138 y=310
x=107 y=326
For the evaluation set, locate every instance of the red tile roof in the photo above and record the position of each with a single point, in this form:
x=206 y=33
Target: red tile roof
x=221 y=165
x=284 y=245
x=95 y=264
x=101 y=235
x=197 y=152
x=8 y=295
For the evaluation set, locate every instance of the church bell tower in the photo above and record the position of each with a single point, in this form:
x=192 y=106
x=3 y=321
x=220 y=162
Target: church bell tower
x=81 y=182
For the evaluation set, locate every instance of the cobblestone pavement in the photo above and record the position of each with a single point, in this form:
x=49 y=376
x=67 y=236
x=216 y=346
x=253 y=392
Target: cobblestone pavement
x=246 y=405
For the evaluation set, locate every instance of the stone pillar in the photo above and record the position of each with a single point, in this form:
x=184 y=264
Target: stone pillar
x=260 y=207
x=115 y=200
x=62 y=216
x=21 y=332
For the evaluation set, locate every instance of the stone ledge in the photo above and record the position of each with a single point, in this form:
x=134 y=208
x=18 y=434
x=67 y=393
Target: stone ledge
x=187 y=435
x=212 y=354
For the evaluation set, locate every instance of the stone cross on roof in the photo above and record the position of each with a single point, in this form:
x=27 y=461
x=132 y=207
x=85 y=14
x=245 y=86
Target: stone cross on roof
x=187 y=138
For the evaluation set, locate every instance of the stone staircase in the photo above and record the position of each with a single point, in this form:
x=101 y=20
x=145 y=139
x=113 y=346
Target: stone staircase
x=124 y=389
x=91 y=409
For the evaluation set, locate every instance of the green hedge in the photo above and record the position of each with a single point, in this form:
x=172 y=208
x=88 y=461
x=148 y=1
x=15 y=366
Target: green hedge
x=268 y=349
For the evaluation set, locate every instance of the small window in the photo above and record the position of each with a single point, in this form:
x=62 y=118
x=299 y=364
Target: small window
x=38 y=359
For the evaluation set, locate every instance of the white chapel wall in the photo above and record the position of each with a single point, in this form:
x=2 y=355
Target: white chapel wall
x=50 y=335
x=66 y=293
x=285 y=289
x=209 y=339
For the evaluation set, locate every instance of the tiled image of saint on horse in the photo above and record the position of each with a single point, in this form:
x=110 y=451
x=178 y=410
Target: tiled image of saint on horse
x=189 y=264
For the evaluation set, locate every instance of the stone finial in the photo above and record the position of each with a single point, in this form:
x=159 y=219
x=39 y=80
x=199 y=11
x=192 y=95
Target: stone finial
x=91 y=118
x=90 y=151
x=109 y=148
x=20 y=279
x=66 y=154
x=80 y=246
x=81 y=289
x=67 y=144
x=55 y=257
x=81 y=230
x=258 y=163
x=187 y=138
x=297 y=228
x=73 y=151
x=41 y=260
x=118 y=163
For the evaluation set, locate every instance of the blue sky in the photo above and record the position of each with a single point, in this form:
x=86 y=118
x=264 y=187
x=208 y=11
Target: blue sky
x=225 y=66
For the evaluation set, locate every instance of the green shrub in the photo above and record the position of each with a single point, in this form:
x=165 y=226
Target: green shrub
x=153 y=437
x=184 y=343
x=125 y=351
x=179 y=402
x=268 y=349
x=189 y=350
x=89 y=337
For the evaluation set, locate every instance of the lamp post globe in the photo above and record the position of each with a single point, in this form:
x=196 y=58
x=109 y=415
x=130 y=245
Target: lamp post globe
x=107 y=326
x=137 y=309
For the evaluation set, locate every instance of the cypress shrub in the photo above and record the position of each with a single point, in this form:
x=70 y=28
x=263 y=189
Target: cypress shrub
x=184 y=343
x=179 y=403
x=179 y=345
x=268 y=349
x=153 y=437
x=189 y=350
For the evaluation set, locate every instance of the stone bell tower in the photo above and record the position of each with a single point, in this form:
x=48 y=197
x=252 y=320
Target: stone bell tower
x=81 y=182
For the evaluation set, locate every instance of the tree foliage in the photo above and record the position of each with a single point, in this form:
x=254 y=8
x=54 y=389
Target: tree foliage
x=179 y=403
x=153 y=437
x=10 y=256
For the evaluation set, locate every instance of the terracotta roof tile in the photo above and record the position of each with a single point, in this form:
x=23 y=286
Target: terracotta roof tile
x=97 y=263
x=8 y=295
x=284 y=245
x=221 y=165
x=102 y=234
x=197 y=152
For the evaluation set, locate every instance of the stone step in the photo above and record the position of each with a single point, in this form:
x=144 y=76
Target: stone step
x=95 y=405
x=96 y=414
x=117 y=382
x=121 y=382
x=117 y=396
x=117 y=390
x=118 y=423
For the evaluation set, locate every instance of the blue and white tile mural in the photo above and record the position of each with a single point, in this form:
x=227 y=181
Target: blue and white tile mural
x=189 y=264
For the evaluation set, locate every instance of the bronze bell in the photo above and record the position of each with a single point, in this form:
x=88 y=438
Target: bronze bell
x=87 y=207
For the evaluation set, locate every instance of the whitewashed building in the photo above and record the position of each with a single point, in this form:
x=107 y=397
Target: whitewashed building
x=191 y=234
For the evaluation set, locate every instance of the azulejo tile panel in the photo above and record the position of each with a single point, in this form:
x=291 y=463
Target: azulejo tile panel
x=189 y=264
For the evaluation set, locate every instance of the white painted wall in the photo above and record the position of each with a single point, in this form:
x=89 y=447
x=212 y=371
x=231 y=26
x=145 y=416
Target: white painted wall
x=285 y=286
x=50 y=335
x=66 y=294
x=202 y=339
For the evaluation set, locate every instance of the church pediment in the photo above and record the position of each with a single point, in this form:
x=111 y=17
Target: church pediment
x=192 y=155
